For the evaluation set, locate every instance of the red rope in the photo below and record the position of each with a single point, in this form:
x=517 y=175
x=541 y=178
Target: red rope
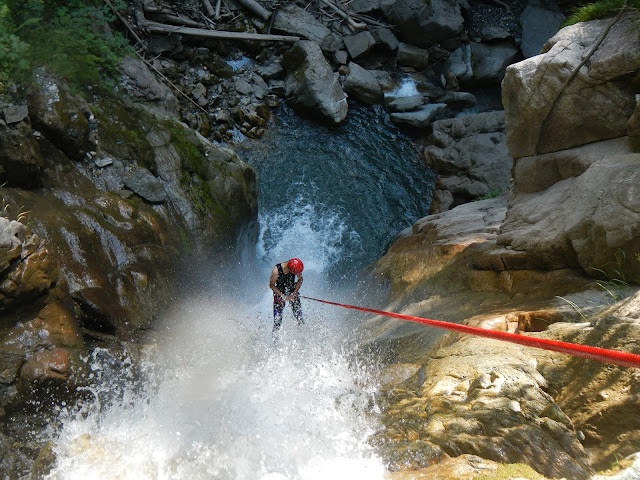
x=623 y=359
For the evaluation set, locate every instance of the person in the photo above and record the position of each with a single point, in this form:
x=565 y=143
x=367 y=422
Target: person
x=285 y=289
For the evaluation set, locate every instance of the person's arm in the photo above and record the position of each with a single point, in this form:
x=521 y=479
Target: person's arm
x=298 y=285
x=272 y=282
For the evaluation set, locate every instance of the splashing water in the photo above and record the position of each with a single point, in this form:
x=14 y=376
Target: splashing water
x=222 y=398
x=290 y=409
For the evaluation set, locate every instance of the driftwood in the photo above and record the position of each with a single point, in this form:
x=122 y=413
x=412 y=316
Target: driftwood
x=208 y=8
x=202 y=32
x=176 y=20
x=217 y=14
x=255 y=8
x=350 y=21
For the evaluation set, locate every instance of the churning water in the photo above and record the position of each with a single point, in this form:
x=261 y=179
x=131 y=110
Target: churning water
x=221 y=398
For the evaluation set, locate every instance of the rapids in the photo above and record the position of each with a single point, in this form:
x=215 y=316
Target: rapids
x=221 y=397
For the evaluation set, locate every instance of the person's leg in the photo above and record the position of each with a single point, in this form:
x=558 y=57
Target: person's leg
x=297 y=310
x=278 y=307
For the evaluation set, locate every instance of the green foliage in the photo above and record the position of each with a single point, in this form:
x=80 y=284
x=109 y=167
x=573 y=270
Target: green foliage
x=71 y=38
x=602 y=9
x=488 y=195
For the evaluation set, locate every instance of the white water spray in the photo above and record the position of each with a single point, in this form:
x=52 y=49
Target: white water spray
x=224 y=400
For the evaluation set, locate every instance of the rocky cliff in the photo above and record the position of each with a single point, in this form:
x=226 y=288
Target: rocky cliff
x=546 y=260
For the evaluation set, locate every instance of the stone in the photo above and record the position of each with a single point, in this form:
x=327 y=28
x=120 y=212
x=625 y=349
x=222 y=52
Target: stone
x=481 y=64
x=384 y=36
x=311 y=85
x=21 y=161
x=595 y=106
x=421 y=117
x=359 y=44
x=341 y=57
x=142 y=182
x=362 y=85
x=144 y=84
x=15 y=113
x=603 y=230
x=412 y=56
x=294 y=20
x=425 y=24
x=243 y=87
x=404 y=104
x=539 y=23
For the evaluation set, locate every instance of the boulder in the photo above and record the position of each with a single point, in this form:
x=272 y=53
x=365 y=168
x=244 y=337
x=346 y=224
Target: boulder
x=425 y=23
x=421 y=117
x=633 y=127
x=412 y=56
x=362 y=85
x=294 y=20
x=359 y=44
x=311 y=85
x=15 y=113
x=384 y=36
x=404 y=104
x=543 y=115
x=539 y=23
x=571 y=216
x=142 y=83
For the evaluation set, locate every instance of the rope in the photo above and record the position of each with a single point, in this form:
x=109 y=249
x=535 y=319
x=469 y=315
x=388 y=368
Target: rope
x=623 y=359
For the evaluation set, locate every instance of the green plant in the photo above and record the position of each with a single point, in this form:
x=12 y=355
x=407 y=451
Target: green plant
x=72 y=39
x=602 y=9
x=574 y=306
x=492 y=194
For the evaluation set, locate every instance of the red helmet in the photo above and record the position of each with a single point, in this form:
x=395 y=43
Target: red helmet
x=295 y=266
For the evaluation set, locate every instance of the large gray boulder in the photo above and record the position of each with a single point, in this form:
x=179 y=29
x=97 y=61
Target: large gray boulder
x=425 y=23
x=363 y=85
x=311 y=85
x=294 y=20
x=581 y=207
x=420 y=117
x=595 y=105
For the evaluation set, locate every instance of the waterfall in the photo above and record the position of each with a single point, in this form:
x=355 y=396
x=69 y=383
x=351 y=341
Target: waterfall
x=221 y=396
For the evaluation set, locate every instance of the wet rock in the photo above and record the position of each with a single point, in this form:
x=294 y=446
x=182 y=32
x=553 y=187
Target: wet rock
x=458 y=100
x=421 y=117
x=21 y=161
x=311 y=84
x=633 y=127
x=481 y=64
x=404 y=104
x=362 y=85
x=539 y=23
x=411 y=56
x=143 y=183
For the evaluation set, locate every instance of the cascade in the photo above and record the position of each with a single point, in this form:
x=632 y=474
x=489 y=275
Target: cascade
x=221 y=397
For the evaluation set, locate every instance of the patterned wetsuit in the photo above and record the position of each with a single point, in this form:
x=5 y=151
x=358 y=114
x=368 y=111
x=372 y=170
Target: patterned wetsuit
x=286 y=283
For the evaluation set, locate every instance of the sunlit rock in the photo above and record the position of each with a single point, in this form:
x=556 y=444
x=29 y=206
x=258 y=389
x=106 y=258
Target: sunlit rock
x=545 y=114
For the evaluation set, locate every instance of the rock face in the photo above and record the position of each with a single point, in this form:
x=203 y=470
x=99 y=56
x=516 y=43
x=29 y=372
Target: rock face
x=123 y=197
x=470 y=155
x=311 y=85
x=594 y=106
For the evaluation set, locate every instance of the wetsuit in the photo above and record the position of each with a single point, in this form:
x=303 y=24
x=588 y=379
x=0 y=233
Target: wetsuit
x=286 y=283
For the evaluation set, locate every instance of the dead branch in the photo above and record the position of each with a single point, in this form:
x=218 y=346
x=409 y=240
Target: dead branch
x=575 y=71
x=177 y=20
x=201 y=32
x=255 y=8
x=208 y=8
x=350 y=21
x=217 y=14
x=126 y=24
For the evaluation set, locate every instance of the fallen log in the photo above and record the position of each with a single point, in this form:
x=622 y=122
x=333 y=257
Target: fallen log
x=209 y=9
x=203 y=32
